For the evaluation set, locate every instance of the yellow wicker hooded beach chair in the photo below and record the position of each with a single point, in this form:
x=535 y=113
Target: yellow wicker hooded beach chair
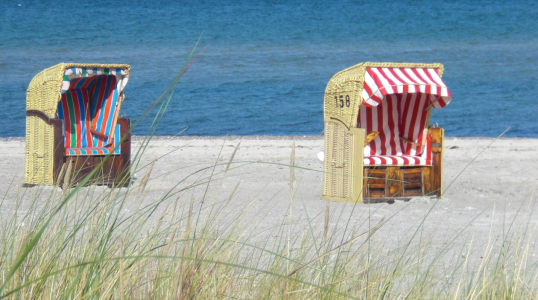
x=72 y=125
x=379 y=145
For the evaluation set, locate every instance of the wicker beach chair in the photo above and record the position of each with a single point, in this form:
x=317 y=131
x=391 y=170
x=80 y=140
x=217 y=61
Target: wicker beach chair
x=379 y=145
x=72 y=125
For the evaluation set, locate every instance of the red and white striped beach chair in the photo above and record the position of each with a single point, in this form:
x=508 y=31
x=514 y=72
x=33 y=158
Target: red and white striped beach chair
x=85 y=124
x=377 y=129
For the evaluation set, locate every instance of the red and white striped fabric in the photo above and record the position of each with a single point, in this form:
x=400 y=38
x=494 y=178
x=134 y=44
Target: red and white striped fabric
x=398 y=116
x=380 y=82
x=425 y=159
x=395 y=104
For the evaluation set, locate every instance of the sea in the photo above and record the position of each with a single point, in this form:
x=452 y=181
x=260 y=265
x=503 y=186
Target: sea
x=265 y=64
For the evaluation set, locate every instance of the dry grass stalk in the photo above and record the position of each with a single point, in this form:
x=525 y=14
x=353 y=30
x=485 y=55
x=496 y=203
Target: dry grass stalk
x=369 y=232
x=232 y=157
x=326 y=225
x=122 y=289
x=67 y=177
x=292 y=179
x=145 y=179
x=232 y=193
x=182 y=270
x=292 y=165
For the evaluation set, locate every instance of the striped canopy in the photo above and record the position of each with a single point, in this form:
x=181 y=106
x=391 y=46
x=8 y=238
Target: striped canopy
x=380 y=82
x=77 y=72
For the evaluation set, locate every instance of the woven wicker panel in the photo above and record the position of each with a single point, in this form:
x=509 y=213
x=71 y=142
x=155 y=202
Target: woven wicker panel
x=343 y=163
x=43 y=94
x=343 y=95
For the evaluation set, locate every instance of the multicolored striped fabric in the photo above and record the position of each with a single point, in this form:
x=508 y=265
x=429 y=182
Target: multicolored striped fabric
x=74 y=109
x=425 y=159
x=72 y=73
x=398 y=116
x=115 y=148
x=90 y=105
x=380 y=82
x=103 y=108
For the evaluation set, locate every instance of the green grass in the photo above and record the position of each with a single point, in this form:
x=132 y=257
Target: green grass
x=94 y=243
x=98 y=247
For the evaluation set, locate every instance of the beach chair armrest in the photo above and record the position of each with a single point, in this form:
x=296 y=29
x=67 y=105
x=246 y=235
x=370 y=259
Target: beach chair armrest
x=410 y=142
x=97 y=133
x=42 y=115
x=372 y=135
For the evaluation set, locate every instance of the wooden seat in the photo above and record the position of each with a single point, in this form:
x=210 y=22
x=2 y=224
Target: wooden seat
x=390 y=181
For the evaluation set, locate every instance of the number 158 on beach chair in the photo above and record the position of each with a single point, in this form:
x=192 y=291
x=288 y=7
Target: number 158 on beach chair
x=379 y=145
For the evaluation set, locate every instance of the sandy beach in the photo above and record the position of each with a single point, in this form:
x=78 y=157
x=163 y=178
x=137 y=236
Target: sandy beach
x=484 y=188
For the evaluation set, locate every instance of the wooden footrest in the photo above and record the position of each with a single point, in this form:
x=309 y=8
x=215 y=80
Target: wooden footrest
x=397 y=182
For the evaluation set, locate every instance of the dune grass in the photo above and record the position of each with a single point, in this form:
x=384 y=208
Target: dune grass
x=115 y=243
x=98 y=247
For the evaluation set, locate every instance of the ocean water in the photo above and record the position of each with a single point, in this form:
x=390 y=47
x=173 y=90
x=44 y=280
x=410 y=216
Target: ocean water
x=267 y=63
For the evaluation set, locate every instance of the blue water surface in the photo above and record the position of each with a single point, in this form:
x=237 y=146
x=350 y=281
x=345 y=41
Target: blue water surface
x=267 y=63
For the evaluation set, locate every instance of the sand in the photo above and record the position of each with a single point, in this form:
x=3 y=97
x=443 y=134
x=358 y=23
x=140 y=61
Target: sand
x=484 y=188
